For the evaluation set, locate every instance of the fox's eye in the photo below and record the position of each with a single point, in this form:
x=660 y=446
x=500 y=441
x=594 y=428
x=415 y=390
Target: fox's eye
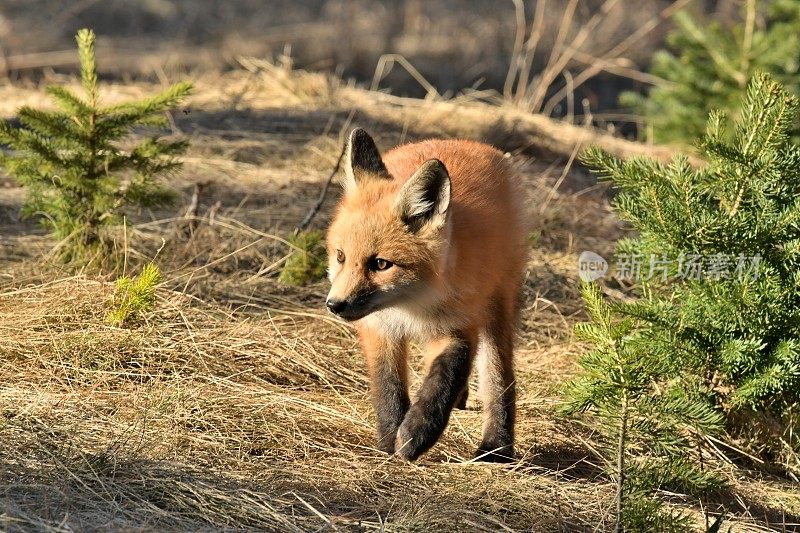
x=382 y=264
x=340 y=256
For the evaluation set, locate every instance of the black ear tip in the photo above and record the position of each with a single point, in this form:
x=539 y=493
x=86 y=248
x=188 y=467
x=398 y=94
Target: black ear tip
x=436 y=165
x=364 y=154
x=359 y=134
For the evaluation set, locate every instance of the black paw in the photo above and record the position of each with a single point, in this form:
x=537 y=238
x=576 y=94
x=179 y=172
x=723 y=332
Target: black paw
x=495 y=454
x=461 y=401
x=386 y=442
x=415 y=436
x=409 y=444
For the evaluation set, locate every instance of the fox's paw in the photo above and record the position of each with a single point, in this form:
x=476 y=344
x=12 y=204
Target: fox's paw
x=407 y=444
x=415 y=436
x=386 y=442
x=495 y=454
x=461 y=400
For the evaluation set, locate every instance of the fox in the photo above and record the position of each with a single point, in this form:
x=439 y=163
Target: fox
x=429 y=244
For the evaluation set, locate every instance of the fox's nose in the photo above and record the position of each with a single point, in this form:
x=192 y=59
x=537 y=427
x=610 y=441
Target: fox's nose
x=336 y=306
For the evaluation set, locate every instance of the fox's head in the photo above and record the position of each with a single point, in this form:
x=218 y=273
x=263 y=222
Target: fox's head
x=387 y=243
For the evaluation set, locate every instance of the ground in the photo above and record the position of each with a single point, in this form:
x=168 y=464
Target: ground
x=239 y=403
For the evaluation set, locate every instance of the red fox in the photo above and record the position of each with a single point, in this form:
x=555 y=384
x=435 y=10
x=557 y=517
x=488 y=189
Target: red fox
x=429 y=243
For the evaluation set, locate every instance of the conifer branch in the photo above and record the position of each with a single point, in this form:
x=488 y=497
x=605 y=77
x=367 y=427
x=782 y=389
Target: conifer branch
x=85 y=39
x=709 y=65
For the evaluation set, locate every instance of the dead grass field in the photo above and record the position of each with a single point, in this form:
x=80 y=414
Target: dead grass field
x=239 y=404
x=453 y=43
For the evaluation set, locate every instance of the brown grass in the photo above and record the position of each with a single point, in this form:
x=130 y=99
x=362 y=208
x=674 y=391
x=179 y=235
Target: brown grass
x=202 y=417
x=238 y=403
x=454 y=44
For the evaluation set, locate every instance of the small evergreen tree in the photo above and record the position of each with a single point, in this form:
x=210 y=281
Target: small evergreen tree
x=79 y=173
x=708 y=66
x=727 y=309
x=646 y=412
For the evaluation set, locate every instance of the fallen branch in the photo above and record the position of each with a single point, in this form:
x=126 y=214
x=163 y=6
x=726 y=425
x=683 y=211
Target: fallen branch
x=323 y=194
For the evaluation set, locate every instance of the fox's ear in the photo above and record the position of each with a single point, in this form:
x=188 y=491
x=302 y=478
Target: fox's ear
x=361 y=160
x=425 y=197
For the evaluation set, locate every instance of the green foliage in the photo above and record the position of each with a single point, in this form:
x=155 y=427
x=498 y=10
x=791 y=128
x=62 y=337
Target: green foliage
x=708 y=66
x=643 y=513
x=738 y=333
x=646 y=413
x=134 y=296
x=80 y=167
x=307 y=262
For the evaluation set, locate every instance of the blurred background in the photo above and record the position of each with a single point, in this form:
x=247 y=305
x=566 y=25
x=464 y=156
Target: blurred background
x=589 y=50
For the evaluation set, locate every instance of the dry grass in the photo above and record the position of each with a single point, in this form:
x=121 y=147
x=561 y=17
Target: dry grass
x=238 y=403
x=205 y=418
x=454 y=44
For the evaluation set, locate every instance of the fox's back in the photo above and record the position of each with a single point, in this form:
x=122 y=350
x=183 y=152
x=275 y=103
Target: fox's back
x=489 y=232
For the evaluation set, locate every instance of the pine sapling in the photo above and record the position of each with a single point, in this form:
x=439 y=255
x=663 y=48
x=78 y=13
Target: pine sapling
x=307 y=261
x=646 y=414
x=81 y=165
x=733 y=318
x=708 y=66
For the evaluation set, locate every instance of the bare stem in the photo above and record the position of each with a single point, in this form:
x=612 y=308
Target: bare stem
x=621 y=442
x=747 y=43
x=323 y=194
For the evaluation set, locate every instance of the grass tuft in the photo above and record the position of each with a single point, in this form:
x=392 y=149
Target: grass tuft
x=308 y=260
x=134 y=296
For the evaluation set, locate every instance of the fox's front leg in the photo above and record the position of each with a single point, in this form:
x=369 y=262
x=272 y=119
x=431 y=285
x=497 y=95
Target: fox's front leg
x=443 y=385
x=388 y=383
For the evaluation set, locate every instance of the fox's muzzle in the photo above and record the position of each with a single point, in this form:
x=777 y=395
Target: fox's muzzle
x=336 y=306
x=349 y=309
x=358 y=303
